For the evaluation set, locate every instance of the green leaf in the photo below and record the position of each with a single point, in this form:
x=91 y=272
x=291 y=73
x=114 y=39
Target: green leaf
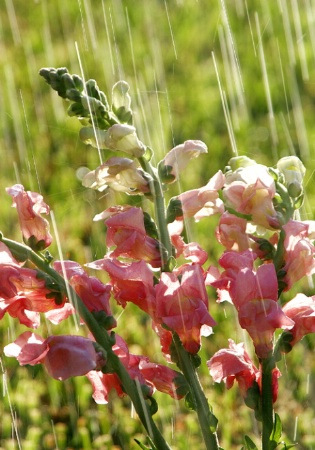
x=276 y=433
x=144 y=447
x=249 y=444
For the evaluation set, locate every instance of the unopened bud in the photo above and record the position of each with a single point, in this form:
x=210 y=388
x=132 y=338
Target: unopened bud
x=294 y=172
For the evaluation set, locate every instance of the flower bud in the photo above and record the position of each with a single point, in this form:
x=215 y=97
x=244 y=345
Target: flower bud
x=294 y=172
x=241 y=161
x=120 y=96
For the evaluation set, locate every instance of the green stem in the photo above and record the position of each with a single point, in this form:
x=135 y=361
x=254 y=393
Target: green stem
x=159 y=205
x=207 y=420
x=267 y=365
x=101 y=336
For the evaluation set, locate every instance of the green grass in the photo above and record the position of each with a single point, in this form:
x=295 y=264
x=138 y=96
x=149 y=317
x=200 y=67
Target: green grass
x=169 y=65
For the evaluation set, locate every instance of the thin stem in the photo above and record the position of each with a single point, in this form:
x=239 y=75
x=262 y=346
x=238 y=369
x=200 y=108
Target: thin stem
x=207 y=420
x=159 y=205
x=267 y=366
x=101 y=336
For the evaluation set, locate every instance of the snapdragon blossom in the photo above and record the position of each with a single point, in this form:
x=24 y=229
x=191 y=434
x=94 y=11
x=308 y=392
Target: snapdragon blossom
x=299 y=252
x=234 y=364
x=231 y=232
x=30 y=206
x=94 y=294
x=182 y=305
x=131 y=282
x=126 y=231
x=63 y=356
x=150 y=375
x=178 y=158
x=23 y=295
x=202 y=202
x=254 y=293
x=250 y=190
x=120 y=174
x=301 y=309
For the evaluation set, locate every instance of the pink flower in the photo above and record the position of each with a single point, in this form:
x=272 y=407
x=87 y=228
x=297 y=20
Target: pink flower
x=231 y=232
x=23 y=295
x=301 y=309
x=166 y=339
x=234 y=364
x=242 y=282
x=63 y=356
x=191 y=251
x=299 y=252
x=183 y=305
x=254 y=293
x=103 y=383
x=205 y=201
x=94 y=294
x=132 y=282
x=250 y=190
x=163 y=378
x=177 y=159
x=260 y=318
x=126 y=231
x=30 y=206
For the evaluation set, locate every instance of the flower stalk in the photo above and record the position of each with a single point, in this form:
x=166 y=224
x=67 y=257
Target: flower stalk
x=267 y=412
x=159 y=205
x=207 y=420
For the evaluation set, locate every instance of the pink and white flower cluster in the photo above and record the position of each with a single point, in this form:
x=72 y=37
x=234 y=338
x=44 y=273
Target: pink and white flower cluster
x=266 y=252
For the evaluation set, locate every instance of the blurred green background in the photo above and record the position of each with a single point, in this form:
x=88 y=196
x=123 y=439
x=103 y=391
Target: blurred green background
x=237 y=74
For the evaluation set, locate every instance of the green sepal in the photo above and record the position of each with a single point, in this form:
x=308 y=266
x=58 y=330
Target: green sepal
x=190 y=402
x=238 y=214
x=150 y=226
x=34 y=244
x=154 y=407
x=124 y=116
x=165 y=173
x=174 y=210
x=284 y=342
x=148 y=154
x=252 y=399
x=56 y=291
x=48 y=257
x=298 y=202
x=107 y=322
x=182 y=387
